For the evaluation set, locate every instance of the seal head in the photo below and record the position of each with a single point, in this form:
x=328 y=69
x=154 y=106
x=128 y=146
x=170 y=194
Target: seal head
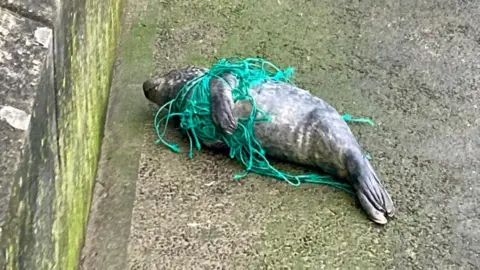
x=161 y=89
x=152 y=93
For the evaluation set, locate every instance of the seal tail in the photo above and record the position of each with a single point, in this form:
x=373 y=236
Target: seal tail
x=371 y=193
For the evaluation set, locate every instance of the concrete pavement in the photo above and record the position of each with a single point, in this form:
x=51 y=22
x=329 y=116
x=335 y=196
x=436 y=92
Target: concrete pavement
x=412 y=66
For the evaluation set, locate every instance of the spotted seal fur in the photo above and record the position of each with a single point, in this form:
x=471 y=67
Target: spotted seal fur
x=303 y=129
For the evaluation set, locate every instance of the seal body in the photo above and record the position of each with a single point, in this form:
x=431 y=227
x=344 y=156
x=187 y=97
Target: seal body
x=304 y=129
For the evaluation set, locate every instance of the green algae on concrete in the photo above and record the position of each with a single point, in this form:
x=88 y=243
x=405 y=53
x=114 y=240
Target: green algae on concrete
x=83 y=81
x=51 y=198
x=106 y=242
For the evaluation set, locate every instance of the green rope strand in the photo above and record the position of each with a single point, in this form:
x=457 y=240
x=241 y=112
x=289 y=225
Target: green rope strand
x=196 y=122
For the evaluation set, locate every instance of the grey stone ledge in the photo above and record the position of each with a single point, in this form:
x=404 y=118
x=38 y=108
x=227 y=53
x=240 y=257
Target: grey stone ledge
x=37 y=10
x=23 y=52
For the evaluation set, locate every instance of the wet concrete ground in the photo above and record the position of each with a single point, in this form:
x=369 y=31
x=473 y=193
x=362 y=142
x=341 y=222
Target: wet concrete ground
x=413 y=66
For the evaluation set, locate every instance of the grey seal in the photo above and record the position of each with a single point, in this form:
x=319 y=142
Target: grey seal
x=304 y=129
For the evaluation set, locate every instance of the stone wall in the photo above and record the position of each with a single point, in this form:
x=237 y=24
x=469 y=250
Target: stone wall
x=56 y=61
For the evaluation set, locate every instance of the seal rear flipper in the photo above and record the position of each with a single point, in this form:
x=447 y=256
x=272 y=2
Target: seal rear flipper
x=222 y=102
x=371 y=194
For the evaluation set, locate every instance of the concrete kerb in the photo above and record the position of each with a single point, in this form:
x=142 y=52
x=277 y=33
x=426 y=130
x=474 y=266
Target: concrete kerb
x=108 y=229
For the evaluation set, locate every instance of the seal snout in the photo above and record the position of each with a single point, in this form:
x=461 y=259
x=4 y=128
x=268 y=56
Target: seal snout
x=147 y=86
x=152 y=87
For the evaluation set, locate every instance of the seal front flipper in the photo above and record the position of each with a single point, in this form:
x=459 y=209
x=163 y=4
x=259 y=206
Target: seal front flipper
x=222 y=102
x=371 y=194
x=217 y=145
